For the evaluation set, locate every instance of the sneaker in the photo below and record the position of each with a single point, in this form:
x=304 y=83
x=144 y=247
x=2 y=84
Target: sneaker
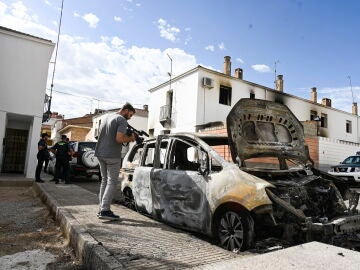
x=108 y=215
x=39 y=180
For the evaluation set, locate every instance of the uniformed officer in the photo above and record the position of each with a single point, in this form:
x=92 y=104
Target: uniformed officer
x=62 y=152
x=41 y=156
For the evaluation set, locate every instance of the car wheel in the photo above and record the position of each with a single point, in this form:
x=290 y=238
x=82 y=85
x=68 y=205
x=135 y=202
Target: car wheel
x=129 y=199
x=89 y=159
x=235 y=231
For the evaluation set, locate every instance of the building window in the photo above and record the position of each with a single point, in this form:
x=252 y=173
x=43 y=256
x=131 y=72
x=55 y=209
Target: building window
x=313 y=116
x=252 y=95
x=324 y=120
x=348 y=127
x=225 y=95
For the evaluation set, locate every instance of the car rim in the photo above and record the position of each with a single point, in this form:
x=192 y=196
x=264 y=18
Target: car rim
x=231 y=231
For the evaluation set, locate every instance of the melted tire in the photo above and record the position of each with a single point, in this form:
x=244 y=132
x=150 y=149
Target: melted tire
x=129 y=201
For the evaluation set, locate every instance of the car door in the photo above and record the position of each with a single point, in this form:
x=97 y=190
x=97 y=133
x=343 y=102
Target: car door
x=141 y=179
x=178 y=188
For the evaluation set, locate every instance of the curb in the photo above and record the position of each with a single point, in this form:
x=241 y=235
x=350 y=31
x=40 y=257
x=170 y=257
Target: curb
x=91 y=253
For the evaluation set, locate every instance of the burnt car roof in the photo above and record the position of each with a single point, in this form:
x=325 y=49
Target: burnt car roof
x=262 y=128
x=210 y=139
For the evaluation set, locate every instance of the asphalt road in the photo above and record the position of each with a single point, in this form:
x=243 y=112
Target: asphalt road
x=88 y=184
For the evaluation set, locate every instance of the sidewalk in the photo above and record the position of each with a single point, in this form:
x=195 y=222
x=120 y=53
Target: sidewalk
x=134 y=242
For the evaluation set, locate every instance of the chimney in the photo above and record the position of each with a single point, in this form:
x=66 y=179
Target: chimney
x=326 y=102
x=355 y=108
x=239 y=73
x=146 y=107
x=227 y=65
x=314 y=95
x=280 y=83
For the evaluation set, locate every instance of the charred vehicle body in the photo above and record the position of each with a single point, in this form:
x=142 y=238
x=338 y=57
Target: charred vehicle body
x=258 y=182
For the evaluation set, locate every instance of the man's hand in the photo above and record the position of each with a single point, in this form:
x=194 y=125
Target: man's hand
x=123 y=138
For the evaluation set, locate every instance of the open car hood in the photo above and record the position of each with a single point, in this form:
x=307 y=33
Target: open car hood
x=261 y=128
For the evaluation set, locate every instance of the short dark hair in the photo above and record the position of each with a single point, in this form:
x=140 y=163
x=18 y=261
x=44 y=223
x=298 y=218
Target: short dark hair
x=128 y=107
x=44 y=134
x=63 y=137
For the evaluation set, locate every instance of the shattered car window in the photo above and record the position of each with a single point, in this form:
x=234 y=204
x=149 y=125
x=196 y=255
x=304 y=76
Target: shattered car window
x=184 y=156
x=221 y=146
x=150 y=154
x=135 y=156
x=223 y=151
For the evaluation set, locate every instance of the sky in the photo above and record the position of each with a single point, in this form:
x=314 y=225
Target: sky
x=113 y=51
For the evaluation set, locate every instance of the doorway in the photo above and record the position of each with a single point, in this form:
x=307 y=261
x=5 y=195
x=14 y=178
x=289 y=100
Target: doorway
x=14 y=149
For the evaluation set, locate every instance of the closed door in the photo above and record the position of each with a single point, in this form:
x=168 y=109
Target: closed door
x=14 y=149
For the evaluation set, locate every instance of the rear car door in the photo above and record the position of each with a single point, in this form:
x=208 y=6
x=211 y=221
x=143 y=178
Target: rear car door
x=141 y=179
x=178 y=188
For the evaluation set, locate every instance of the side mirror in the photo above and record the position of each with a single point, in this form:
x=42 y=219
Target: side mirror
x=203 y=161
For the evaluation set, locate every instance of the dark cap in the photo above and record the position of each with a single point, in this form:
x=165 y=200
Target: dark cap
x=63 y=137
x=44 y=134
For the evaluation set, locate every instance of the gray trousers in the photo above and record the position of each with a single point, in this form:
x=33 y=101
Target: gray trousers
x=109 y=168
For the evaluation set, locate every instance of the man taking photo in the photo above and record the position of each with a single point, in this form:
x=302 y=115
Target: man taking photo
x=112 y=135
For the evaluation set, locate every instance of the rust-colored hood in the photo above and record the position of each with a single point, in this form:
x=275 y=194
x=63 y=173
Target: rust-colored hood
x=261 y=128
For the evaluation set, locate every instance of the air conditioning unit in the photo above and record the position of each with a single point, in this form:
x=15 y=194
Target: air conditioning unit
x=208 y=82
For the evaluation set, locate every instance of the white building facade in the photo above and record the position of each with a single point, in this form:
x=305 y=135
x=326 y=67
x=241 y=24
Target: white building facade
x=23 y=74
x=202 y=98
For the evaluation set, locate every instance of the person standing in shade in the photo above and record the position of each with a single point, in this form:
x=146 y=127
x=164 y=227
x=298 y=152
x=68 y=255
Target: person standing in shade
x=62 y=152
x=41 y=156
x=112 y=135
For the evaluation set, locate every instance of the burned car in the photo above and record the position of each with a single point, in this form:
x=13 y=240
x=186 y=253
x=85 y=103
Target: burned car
x=257 y=182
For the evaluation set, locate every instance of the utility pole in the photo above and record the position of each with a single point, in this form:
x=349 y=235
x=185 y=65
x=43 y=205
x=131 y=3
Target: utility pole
x=354 y=104
x=47 y=114
x=170 y=73
x=352 y=94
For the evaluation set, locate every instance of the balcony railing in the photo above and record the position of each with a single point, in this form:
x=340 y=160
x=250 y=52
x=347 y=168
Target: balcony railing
x=165 y=114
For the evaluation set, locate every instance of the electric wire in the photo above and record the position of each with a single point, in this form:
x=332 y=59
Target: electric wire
x=93 y=98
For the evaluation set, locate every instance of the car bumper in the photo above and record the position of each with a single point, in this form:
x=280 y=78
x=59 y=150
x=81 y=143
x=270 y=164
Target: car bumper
x=346 y=176
x=84 y=171
x=339 y=226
